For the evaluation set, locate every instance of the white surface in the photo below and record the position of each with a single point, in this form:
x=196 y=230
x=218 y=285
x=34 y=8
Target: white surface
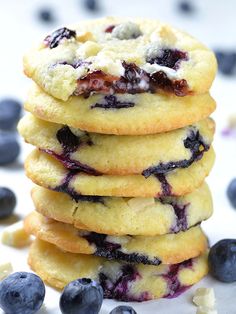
x=213 y=24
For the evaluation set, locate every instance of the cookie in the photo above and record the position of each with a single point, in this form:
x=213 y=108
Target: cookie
x=166 y=249
x=122 y=216
x=111 y=154
x=46 y=171
x=150 y=114
x=120 y=280
x=120 y=55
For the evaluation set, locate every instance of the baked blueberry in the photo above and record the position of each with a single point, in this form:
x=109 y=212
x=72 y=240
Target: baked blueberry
x=166 y=57
x=10 y=110
x=123 y=309
x=82 y=296
x=7 y=202
x=53 y=40
x=231 y=192
x=9 y=148
x=112 y=102
x=222 y=260
x=21 y=293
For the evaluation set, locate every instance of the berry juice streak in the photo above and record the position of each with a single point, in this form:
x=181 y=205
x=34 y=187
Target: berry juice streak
x=112 y=250
x=174 y=286
x=134 y=81
x=121 y=287
x=65 y=188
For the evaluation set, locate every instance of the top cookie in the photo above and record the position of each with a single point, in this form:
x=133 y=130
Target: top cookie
x=120 y=55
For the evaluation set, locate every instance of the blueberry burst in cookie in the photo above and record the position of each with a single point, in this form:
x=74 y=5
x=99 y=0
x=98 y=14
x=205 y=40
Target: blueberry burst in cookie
x=119 y=155
x=163 y=249
x=122 y=56
x=120 y=280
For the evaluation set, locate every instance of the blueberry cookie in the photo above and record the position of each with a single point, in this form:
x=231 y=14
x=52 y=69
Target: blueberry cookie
x=48 y=172
x=122 y=216
x=120 y=55
x=121 y=114
x=166 y=249
x=119 y=155
x=120 y=280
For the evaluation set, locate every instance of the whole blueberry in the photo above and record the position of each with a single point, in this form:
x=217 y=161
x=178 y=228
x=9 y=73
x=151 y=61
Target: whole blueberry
x=21 y=293
x=222 y=260
x=226 y=62
x=186 y=7
x=7 y=202
x=46 y=15
x=91 y=5
x=9 y=147
x=231 y=192
x=82 y=296
x=10 y=111
x=123 y=309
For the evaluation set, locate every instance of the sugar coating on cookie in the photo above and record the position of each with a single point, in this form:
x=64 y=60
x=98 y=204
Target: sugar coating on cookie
x=120 y=55
x=122 y=216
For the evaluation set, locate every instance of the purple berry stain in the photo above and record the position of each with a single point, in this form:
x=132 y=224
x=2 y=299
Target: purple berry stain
x=134 y=80
x=110 y=28
x=180 y=210
x=111 y=250
x=53 y=40
x=195 y=143
x=70 y=143
x=111 y=102
x=120 y=287
x=65 y=188
x=169 y=58
x=174 y=286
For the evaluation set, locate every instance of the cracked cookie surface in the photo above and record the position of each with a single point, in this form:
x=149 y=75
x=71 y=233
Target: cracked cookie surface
x=122 y=216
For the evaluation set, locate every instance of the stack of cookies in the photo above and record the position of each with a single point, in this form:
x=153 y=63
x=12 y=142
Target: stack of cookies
x=120 y=121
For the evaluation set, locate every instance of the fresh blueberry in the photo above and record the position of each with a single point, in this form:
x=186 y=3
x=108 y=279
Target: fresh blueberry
x=91 y=5
x=231 y=192
x=82 y=296
x=10 y=111
x=123 y=309
x=222 y=260
x=186 y=7
x=46 y=15
x=21 y=293
x=7 y=202
x=9 y=148
x=226 y=62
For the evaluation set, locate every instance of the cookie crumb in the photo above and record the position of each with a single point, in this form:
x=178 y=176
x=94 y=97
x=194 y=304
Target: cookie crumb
x=5 y=269
x=15 y=235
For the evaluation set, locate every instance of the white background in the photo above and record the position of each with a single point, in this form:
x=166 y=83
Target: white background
x=214 y=23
